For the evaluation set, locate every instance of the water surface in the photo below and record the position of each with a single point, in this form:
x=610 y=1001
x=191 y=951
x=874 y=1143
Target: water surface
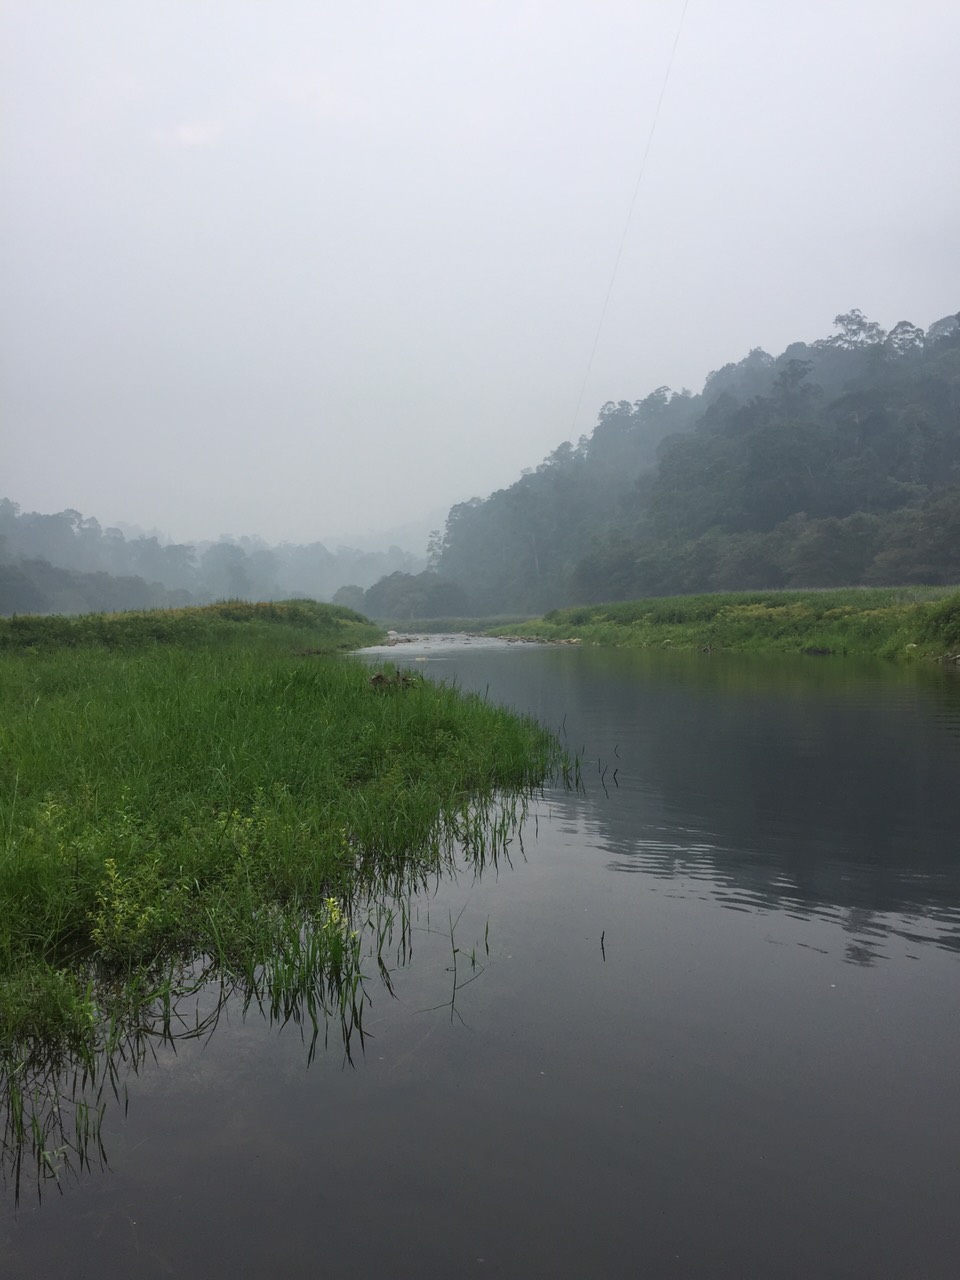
x=704 y=1022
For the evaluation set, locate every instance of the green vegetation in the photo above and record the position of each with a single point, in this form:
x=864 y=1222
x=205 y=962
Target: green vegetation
x=884 y=622
x=321 y=627
x=836 y=463
x=404 y=596
x=196 y=795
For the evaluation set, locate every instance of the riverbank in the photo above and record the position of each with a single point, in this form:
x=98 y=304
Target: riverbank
x=215 y=791
x=890 y=622
x=757 y=843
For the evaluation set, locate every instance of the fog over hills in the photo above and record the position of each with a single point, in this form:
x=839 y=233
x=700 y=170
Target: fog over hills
x=68 y=563
x=834 y=463
x=295 y=269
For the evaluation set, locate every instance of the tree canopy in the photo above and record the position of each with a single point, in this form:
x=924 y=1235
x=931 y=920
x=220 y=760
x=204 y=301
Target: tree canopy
x=834 y=463
x=68 y=563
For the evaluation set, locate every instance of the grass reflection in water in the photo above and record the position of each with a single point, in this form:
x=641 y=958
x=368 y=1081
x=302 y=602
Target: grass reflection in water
x=315 y=976
x=201 y=801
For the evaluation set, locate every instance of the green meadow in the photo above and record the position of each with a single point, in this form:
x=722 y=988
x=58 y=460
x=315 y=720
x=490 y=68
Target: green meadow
x=890 y=622
x=216 y=792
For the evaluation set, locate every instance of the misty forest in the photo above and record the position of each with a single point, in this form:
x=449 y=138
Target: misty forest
x=67 y=563
x=835 y=463
x=478 y=791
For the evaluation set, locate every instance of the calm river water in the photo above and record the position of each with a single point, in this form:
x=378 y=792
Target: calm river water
x=705 y=1025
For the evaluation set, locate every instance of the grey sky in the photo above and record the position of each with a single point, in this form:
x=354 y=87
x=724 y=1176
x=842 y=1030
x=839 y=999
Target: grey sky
x=293 y=268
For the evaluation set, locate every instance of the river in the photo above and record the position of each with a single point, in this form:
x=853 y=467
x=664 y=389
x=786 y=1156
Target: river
x=701 y=1022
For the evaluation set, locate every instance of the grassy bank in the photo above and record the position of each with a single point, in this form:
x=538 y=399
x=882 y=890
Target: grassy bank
x=316 y=626
x=199 y=788
x=888 y=622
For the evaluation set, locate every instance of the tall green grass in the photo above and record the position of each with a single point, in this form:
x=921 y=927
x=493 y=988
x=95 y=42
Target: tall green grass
x=885 y=622
x=325 y=626
x=229 y=802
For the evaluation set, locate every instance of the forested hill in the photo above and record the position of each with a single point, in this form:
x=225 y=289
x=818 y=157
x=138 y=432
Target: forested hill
x=835 y=463
x=68 y=563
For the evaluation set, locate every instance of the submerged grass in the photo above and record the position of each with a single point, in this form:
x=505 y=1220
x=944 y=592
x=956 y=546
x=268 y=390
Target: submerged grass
x=227 y=802
x=909 y=622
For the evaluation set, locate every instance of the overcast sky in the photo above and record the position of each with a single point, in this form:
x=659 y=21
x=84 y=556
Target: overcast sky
x=299 y=268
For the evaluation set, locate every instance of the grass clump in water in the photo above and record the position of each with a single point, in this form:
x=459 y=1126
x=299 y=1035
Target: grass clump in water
x=226 y=802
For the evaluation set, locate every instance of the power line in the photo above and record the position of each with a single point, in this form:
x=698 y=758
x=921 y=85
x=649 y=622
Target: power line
x=626 y=225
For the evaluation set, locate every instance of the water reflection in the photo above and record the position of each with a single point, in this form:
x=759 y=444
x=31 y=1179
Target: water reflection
x=696 y=1067
x=915 y=907
x=55 y=1094
x=816 y=789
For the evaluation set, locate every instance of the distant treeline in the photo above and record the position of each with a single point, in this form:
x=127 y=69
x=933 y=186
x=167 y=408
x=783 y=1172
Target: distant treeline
x=67 y=563
x=836 y=463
